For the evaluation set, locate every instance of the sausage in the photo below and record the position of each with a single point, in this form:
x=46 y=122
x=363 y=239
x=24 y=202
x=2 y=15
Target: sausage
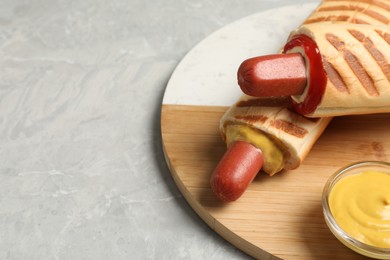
x=236 y=170
x=274 y=75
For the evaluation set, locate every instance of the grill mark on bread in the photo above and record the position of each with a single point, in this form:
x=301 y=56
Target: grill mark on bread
x=375 y=53
x=355 y=65
x=358 y=21
x=376 y=3
x=289 y=128
x=384 y=35
x=252 y=118
x=334 y=76
x=375 y=15
x=382 y=5
x=333 y=18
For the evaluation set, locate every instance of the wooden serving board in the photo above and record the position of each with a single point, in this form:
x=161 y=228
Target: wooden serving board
x=279 y=216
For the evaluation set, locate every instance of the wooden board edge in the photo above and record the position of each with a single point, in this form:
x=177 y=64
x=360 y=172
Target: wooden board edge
x=240 y=243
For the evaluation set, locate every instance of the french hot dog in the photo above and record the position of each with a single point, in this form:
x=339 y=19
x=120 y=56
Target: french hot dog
x=347 y=70
x=276 y=139
x=290 y=135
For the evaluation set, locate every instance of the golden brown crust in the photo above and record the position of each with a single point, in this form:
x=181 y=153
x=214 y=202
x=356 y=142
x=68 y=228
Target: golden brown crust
x=294 y=133
x=357 y=61
x=357 y=11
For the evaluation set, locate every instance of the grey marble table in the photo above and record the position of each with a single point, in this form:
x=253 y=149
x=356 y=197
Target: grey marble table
x=82 y=172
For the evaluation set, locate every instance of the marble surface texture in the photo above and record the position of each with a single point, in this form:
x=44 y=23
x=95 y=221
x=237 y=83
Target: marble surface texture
x=82 y=172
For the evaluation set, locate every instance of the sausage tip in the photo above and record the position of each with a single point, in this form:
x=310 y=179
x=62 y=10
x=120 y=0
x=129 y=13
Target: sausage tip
x=236 y=170
x=273 y=75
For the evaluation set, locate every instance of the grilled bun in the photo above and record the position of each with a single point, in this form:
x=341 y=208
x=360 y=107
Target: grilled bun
x=356 y=60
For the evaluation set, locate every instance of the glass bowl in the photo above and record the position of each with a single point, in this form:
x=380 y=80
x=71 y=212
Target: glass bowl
x=338 y=232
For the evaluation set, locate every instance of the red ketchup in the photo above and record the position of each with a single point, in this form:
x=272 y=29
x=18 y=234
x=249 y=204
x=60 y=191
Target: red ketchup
x=317 y=81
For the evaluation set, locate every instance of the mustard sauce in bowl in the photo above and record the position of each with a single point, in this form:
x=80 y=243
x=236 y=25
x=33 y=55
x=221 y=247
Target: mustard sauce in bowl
x=356 y=203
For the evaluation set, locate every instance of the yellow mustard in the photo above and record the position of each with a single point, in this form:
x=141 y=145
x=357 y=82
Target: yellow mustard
x=272 y=155
x=360 y=204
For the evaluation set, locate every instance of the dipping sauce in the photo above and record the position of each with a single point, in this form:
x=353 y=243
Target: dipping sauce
x=360 y=204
